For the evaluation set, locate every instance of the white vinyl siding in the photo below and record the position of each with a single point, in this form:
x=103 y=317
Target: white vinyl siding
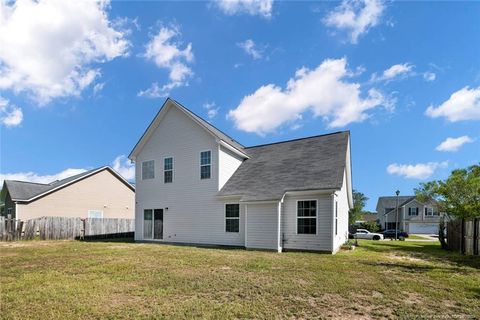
x=195 y=214
x=228 y=164
x=262 y=226
x=322 y=240
x=148 y=169
x=341 y=200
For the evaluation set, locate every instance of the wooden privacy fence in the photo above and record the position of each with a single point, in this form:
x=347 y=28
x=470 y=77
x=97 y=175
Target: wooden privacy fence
x=59 y=228
x=463 y=235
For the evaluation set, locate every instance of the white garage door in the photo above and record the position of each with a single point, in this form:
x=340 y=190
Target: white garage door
x=423 y=228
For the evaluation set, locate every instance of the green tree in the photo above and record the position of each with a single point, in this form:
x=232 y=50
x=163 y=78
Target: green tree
x=359 y=200
x=457 y=197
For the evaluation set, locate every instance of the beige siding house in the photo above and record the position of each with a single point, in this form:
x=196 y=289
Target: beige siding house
x=98 y=193
x=196 y=185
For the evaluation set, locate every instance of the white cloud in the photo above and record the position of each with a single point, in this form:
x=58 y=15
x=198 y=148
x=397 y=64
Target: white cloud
x=325 y=91
x=251 y=49
x=124 y=167
x=463 y=104
x=429 y=76
x=252 y=7
x=10 y=115
x=97 y=88
x=48 y=47
x=212 y=109
x=355 y=16
x=166 y=53
x=453 y=144
x=395 y=72
x=35 y=177
x=416 y=171
x=121 y=164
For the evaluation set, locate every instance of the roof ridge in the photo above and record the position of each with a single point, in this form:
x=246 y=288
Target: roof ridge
x=299 y=139
x=22 y=181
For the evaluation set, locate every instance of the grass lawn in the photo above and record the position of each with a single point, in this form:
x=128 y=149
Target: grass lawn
x=416 y=237
x=90 y=280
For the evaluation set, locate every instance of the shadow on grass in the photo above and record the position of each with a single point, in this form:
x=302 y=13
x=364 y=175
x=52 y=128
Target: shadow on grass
x=427 y=250
x=116 y=240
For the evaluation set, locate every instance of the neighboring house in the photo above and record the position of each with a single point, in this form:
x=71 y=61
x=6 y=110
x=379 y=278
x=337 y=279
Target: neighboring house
x=98 y=193
x=196 y=185
x=413 y=215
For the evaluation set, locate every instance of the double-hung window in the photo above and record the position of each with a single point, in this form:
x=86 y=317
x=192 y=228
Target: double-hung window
x=413 y=211
x=205 y=164
x=168 y=170
x=232 y=217
x=148 y=169
x=430 y=212
x=307 y=217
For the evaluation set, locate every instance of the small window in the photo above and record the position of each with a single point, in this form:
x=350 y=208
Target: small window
x=232 y=217
x=413 y=211
x=95 y=214
x=336 y=217
x=430 y=212
x=307 y=217
x=148 y=169
x=168 y=170
x=205 y=164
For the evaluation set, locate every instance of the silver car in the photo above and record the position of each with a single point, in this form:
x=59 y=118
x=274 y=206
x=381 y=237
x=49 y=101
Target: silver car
x=365 y=234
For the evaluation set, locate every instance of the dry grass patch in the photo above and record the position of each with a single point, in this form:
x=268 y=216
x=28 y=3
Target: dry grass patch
x=92 y=280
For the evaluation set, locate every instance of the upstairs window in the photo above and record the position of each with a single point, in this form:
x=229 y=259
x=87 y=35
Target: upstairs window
x=148 y=169
x=232 y=217
x=430 y=212
x=413 y=211
x=307 y=217
x=168 y=170
x=205 y=164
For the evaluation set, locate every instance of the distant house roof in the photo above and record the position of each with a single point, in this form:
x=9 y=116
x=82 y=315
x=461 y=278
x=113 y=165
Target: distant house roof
x=28 y=191
x=313 y=163
x=204 y=124
x=391 y=203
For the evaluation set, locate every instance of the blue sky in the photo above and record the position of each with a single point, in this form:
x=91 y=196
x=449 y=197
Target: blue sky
x=80 y=81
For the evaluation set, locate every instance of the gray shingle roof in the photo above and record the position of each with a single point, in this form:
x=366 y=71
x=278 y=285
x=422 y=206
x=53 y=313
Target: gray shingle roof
x=312 y=163
x=23 y=190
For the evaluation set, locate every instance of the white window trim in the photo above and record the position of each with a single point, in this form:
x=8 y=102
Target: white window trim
x=410 y=214
x=93 y=210
x=225 y=218
x=141 y=169
x=335 y=226
x=173 y=169
x=200 y=163
x=316 y=218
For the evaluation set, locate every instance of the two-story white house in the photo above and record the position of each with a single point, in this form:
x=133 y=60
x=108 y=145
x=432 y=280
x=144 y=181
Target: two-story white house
x=196 y=185
x=413 y=216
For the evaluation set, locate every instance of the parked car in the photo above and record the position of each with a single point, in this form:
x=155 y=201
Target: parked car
x=390 y=234
x=365 y=234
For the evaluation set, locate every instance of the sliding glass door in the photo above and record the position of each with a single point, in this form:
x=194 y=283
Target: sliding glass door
x=153 y=224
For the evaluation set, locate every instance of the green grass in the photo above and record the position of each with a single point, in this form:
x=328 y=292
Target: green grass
x=91 y=280
x=416 y=237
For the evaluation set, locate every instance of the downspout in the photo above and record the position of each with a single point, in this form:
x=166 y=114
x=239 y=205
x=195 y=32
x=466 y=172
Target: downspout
x=246 y=225
x=279 y=224
x=403 y=218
